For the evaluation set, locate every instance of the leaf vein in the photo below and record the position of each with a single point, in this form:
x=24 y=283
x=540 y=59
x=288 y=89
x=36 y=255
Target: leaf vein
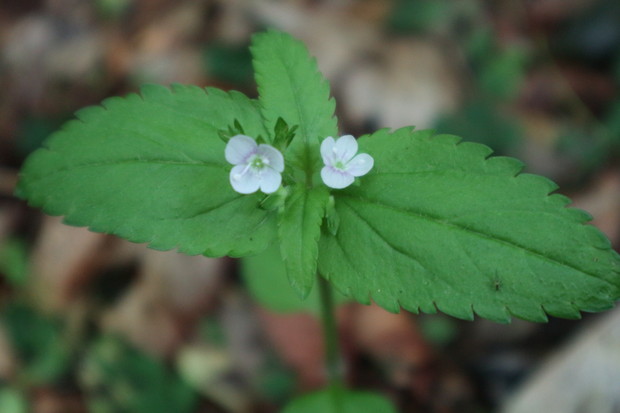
x=376 y=232
x=440 y=221
x=129 y=162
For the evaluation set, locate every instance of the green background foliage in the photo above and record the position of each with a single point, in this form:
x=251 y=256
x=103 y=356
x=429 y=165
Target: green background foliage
x=338 y=400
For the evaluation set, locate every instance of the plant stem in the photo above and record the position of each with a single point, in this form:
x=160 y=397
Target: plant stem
x=333 y=362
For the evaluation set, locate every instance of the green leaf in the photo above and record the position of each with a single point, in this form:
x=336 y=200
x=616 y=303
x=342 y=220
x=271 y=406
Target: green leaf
x=265 y=276
x=339 y=400
x=120 y=378
x=39 y=344
x=292 y=88
x=415 y=16
x=482 y=121
x=439 y=224
x=293 y=92
x=229 y=63
x=14 y=262
x=299 y=229
x=151 y=168
x=283 y=135
x=13 y=401
x=502 y=75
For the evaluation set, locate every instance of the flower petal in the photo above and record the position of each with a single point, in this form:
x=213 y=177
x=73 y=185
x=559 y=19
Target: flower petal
x=327 y=150
x=360 y=165
x=244 y=180
x=270 y=180
x=239 y=148
x=275 y=158
x=345 y=148
x=335 y=178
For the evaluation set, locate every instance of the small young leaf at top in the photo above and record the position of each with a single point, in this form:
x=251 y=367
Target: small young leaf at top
x=151 y=168
x=283 y=135
x=232 y=130
x=439 y=224
x=291 y=87
x=293 y=93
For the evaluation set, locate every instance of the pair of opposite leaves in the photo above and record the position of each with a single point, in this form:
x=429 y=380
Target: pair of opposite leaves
x=436 y=224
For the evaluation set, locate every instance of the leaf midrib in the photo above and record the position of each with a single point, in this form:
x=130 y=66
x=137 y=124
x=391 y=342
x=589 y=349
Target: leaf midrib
x=298 y=109
x=128 y=162
x=396 y=249
x=439 y=221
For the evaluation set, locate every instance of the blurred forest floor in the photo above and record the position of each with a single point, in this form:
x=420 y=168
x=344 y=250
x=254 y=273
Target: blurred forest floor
x=92 y=323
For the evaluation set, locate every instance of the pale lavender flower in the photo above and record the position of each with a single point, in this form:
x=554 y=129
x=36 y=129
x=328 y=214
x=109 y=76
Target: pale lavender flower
x=256 y=166
x=342 y=164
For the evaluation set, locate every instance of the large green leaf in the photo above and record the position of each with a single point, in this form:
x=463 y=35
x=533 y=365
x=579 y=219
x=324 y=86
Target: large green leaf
x=299 y=229
x=151 y=168
x=291 y=87
x=439 y=224
x=339 y=400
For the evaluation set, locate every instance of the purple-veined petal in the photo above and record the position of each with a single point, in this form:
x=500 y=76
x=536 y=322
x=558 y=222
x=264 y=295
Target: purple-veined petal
x=345 y=148
x=270 y=180
x=275 y=158
x=327 y=150
x=335 y=178
x=244 y=180
x=239 y=148
x=360 y=165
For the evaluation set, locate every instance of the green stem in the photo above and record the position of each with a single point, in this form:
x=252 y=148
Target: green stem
x=333 y=361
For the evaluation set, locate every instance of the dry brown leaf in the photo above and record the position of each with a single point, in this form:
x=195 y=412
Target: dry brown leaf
x=602 y=201
x=170 y=295
x=552 y=11
x=46 y=400
x=188 y=284
x=539 y=150
x=142 y=316
x=298 y=339
x=395 y=342
x=581 y=377
x=63 y=260
x=409 y=83
x=208 y=370
x=163 y=53
x=8 y=361
x=8 y=180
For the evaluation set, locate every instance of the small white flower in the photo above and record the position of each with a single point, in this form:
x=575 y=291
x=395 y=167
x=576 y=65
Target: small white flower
x=256 y=166
x=341 y=163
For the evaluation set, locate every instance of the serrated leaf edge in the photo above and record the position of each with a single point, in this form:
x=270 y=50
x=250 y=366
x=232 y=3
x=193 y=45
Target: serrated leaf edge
x=508 y=312
x=150 y=241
